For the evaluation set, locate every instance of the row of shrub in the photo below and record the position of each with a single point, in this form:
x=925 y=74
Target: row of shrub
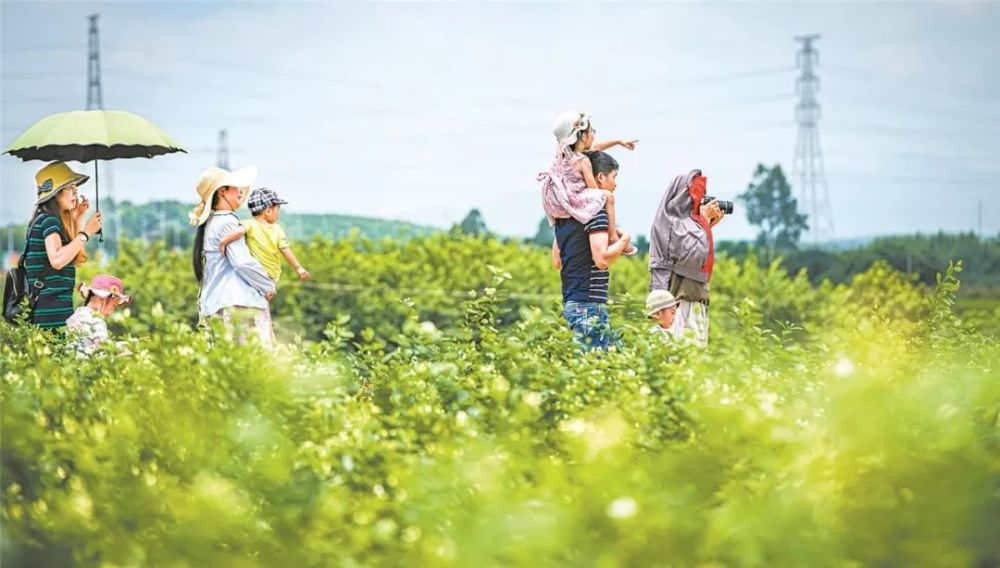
x=825 y=426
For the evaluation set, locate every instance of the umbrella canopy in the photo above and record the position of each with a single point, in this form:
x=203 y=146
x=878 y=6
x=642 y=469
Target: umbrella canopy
x=85 y=135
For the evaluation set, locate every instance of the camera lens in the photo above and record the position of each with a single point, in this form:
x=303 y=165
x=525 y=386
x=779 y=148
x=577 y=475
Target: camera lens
x=725 y=206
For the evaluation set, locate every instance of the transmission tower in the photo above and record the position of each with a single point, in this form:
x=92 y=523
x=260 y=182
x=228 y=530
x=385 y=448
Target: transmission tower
x=808 y=163
x=95 y=100
x=223 y=159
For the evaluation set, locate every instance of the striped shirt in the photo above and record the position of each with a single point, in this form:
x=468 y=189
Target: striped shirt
x=582 y=280
x=55 y=303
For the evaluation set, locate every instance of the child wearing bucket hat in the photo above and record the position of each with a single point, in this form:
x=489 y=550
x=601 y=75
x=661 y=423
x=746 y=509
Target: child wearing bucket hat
x=265 y=237
x=570 y=189
x=661 y=306
x=86 y=327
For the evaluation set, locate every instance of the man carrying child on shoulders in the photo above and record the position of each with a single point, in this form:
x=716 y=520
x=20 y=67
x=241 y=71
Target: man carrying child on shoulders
x=583 y=255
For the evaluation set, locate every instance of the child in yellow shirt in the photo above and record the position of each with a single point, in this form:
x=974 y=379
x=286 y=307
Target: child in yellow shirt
x=265 y=237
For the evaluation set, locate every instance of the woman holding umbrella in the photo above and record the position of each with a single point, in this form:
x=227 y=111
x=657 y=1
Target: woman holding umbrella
x=234 y=286
x=56 y=242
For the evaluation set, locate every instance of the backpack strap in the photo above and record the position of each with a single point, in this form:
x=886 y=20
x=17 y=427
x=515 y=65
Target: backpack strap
x=47 y=269
x=27 y=237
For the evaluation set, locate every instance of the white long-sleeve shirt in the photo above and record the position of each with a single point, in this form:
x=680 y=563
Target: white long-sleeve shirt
x=86 y=330
x=235 y=278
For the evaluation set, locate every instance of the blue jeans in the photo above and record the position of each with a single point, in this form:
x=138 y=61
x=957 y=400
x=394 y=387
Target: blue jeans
x=589 y=321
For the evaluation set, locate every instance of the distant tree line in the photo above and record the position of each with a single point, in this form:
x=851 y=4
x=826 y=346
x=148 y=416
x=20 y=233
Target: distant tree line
x=167 y=221
x=771 y=207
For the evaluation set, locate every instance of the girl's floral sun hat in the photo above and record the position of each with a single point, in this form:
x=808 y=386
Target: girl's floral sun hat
x=106 y=286
x=569 y=125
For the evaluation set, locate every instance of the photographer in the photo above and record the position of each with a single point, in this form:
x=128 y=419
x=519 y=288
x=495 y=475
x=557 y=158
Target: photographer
x=682 y=251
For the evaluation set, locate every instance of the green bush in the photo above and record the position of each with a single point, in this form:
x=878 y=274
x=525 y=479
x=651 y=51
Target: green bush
x=820 y=428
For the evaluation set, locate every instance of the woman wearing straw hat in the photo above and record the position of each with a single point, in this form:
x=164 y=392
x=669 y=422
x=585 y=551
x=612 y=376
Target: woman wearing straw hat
x=234 y=286
x=55 y=243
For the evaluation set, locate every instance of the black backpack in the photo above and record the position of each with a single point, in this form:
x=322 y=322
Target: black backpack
x=18 y=296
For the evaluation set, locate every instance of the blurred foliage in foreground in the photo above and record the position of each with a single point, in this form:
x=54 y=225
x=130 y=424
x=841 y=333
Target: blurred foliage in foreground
x=418 y=423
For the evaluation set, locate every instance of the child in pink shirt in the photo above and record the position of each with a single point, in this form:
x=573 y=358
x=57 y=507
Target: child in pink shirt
x=86 y=328
x=569 y=189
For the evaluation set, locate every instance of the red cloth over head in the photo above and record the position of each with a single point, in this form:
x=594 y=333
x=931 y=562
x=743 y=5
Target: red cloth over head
x=697 y=189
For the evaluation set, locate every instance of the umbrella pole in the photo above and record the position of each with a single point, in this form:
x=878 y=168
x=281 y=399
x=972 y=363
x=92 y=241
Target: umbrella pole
x=97 y=195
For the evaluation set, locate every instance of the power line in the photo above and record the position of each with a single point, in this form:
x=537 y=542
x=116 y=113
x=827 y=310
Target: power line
x=930 y=180
x=231 y=66
x=875 y=100
x=709 y=107
x=8 y=75
x=41 y=48
x=950 y=87
x=34 y=101
x=911 y=130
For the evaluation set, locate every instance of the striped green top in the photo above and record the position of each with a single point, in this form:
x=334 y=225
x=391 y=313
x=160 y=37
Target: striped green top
x=36 y=260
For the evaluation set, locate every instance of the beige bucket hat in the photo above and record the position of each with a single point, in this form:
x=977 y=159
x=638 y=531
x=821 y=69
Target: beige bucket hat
x=212 y=180
x=658 y=300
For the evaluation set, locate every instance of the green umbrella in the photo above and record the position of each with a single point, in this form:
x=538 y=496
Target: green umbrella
x=85 y=135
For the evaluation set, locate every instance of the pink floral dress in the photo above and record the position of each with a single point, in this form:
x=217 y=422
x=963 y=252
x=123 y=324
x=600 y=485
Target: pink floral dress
x=565 y=194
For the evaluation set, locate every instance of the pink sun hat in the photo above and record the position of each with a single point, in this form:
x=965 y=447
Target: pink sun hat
x=105 y=286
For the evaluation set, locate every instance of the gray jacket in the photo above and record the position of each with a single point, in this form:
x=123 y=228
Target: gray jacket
x=677 y=242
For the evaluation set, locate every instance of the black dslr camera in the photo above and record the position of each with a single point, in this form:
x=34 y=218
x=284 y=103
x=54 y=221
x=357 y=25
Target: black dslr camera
x=725 y=206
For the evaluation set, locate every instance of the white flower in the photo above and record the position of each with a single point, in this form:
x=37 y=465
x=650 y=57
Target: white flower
x=386 y=527
x=623 y=508
x=767 y=402
x=574 y=426
x=843 y=367
x=500 y=384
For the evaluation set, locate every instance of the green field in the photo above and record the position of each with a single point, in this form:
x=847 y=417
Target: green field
x=983 y=312
x=427 y=408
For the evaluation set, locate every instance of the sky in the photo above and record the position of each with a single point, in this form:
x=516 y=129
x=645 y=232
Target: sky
x=421 y=112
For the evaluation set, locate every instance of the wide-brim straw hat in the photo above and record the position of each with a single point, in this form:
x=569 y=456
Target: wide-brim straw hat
x=212 y=180
x=55 y=177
